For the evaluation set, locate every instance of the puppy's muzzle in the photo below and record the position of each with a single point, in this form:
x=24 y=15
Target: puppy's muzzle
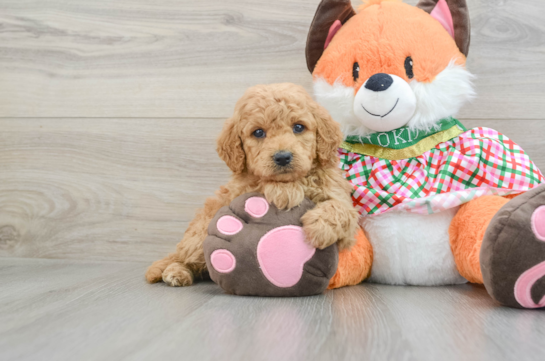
x=283 y=158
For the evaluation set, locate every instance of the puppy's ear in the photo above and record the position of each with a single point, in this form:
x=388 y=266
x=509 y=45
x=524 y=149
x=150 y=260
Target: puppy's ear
x=229 y=146
x=328 y=136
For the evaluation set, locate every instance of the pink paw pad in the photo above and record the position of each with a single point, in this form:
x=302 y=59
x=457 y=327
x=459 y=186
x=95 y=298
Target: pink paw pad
x=524 y=284
x=538 y=223
x=282 y=254
x=229 y=225
x=223 y=260
x=256 y=207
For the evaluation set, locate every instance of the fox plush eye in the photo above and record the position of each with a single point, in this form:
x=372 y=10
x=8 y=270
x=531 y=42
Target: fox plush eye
x=409 y=67
x=356 y=71
x=298 y=128
x=259 y=133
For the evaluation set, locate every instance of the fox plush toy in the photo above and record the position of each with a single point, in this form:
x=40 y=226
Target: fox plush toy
x=439 y=204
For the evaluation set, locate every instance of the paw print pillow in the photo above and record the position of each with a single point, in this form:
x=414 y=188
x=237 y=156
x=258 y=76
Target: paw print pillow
x=253 y=248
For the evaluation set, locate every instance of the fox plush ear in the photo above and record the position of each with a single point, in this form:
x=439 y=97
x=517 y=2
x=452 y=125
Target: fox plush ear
x=454 y=16
x=329 y=17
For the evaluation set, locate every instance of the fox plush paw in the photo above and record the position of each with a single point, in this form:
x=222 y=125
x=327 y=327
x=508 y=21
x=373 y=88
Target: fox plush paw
x=513 y=252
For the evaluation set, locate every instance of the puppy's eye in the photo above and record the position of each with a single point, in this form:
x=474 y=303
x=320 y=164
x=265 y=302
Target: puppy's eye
x=259 y=133
x=356 y=71
x=298 y=128
x=409 y=67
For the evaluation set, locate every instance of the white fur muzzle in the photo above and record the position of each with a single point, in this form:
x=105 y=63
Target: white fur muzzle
x=386 y=109
x=441 y=98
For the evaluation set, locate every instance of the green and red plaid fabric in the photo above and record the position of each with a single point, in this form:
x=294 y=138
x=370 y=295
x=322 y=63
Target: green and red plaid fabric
x=478 y=162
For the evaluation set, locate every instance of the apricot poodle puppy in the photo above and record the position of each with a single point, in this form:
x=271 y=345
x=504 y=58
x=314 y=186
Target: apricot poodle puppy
x=281 y=143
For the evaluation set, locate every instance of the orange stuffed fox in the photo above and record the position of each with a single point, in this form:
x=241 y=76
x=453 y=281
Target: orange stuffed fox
x=437 y=200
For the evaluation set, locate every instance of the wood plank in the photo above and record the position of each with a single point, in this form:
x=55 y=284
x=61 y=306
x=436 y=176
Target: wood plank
x=70 y=310
x=183 y=58
x=120 y=189
x=124 y=189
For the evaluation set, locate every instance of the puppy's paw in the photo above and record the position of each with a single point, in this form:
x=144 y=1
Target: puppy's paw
x=320 y=233
x=346 y=243
x=177 y=275
x=154 y=274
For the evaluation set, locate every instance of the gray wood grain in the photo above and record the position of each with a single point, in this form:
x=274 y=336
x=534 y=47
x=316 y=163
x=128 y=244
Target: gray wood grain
x=123 y=189
x=108 y=115
x=183 y=58
x=114 y=189
x=73 y=310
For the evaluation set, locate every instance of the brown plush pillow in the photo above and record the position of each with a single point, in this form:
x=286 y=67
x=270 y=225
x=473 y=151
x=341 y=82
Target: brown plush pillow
x=253 y=248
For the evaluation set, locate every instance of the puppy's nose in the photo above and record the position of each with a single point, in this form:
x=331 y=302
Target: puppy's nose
x=283 y=158
x=379 y=82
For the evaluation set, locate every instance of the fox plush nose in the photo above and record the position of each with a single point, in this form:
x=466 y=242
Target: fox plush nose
x=379 y=82
x=283 y=158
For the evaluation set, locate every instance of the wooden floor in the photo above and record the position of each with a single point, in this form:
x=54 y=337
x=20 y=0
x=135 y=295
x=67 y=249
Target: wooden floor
x=81 y=310
x=109 y=112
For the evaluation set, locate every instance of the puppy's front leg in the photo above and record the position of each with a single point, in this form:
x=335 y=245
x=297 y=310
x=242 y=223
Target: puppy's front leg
x=181 y=267
x=329 y=222
x=334 y=219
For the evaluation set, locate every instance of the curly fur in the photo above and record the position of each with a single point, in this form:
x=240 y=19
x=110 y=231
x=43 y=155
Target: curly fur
x=313 y=173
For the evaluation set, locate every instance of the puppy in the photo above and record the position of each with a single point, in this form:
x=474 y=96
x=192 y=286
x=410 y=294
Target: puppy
x=281 y=143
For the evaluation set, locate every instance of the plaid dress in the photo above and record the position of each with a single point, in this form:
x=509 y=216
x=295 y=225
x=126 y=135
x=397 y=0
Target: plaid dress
x=473 y=164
